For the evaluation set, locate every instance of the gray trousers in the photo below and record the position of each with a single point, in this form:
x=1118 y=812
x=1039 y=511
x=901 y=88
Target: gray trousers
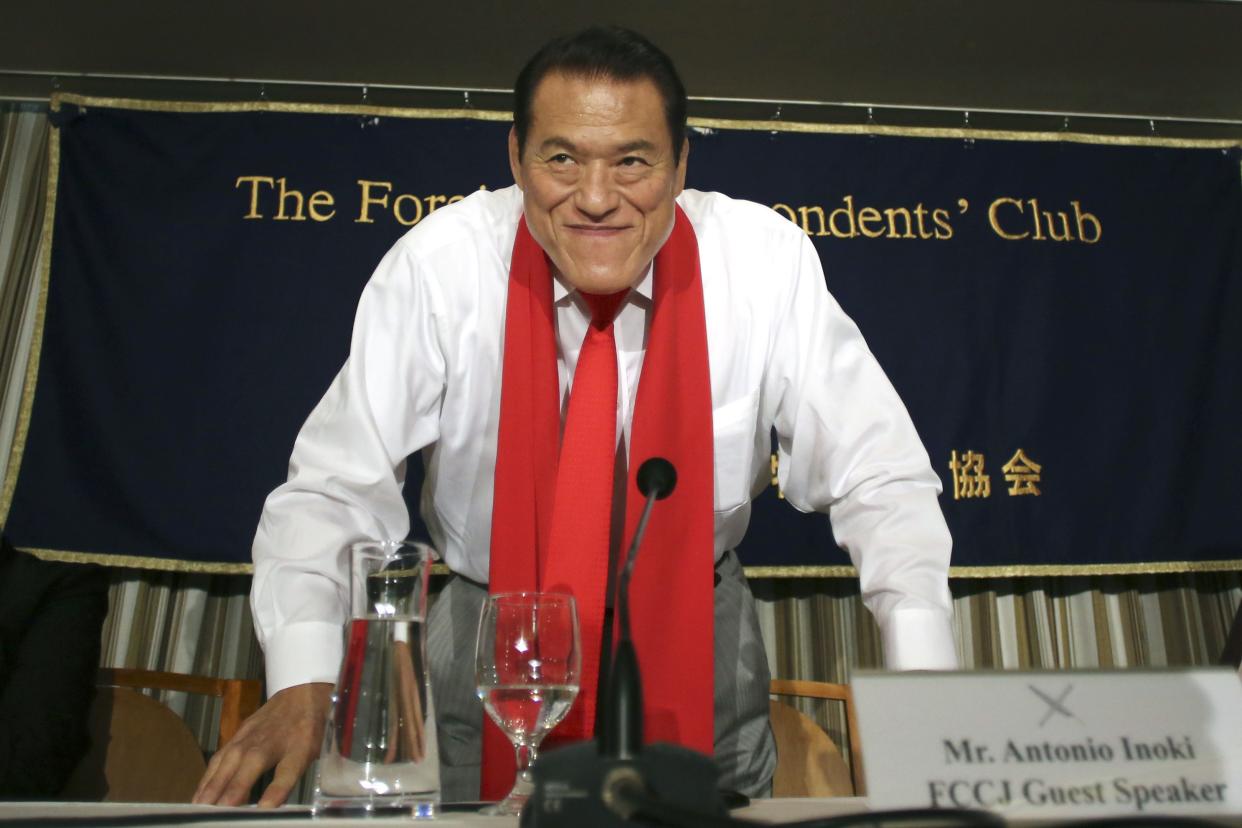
x=744 y=747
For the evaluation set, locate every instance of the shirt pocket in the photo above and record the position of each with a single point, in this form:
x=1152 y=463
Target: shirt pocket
x=733 y=435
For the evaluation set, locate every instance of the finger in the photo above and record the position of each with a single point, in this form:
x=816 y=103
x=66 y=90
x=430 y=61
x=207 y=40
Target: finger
x=288 y=772
x=205 y=782
x=219 y=770
x=220 y=767
x=254 y=762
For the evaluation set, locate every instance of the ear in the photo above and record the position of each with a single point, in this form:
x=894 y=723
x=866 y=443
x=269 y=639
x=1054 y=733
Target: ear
x=681 y=166
x=515 y=161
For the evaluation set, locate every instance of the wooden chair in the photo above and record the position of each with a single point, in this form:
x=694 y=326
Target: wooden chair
x=1232 y=656
x=808 y=762
x=238 y=697
x=140 y=750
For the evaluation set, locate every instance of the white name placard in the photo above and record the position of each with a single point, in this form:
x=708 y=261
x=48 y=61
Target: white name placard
x=1056 y=744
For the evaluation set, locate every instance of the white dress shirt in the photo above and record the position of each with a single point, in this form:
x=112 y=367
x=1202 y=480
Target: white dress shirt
x=424 y=373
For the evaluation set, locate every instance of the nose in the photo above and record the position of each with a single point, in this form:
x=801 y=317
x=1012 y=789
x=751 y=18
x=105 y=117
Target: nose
x=596 y=196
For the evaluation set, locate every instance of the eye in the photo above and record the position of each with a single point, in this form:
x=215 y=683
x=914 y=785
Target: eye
x=560 y=158
x=633 y=161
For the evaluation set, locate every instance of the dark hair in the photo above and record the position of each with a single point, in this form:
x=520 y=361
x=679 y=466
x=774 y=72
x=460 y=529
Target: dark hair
x=603 y=52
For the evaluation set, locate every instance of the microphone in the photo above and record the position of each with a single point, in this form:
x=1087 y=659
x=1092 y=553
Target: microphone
x=621 y=731
x=656 y=478
x=614 y=779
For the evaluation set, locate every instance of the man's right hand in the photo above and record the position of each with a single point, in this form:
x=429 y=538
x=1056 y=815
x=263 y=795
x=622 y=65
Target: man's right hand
x=286 y=733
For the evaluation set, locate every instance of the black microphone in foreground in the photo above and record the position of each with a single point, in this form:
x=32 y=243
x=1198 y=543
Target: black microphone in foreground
x=614 y=779
x=621 y=731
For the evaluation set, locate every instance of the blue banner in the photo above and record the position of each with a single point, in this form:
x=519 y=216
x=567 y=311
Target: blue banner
x=1061 y=314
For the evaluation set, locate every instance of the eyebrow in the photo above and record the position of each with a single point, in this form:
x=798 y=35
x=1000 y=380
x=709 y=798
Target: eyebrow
x=558 y=142
x=637 y=146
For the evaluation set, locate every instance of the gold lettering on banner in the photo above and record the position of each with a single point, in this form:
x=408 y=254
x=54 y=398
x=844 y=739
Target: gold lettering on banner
x=320 y=198
x=1081 y=218
x=1051 y=219
x=254 y=181
x=869 y=216
x=818 y=212
x=891 y=215
x=1022 y=473
x=291 y=205
x=400 y=216
x=920 y=214
x=850 y=220
x=848 y=212
x=364 y=210
x=407 y=209
x=1012 y=219
x=969 y=479
x=283 y=198
x=1034 y=204
x=994 y=218
x=1015 y=219
x=376 y=199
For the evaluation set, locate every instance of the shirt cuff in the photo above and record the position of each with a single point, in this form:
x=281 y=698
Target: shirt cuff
x=301 y=653
x=919 y=639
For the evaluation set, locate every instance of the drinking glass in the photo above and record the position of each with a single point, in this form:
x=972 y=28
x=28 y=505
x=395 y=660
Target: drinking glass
x=527 y=667
x=379 y=749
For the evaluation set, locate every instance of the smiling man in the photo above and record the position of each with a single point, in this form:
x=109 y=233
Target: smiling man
x=538 y=343
x=599 y=173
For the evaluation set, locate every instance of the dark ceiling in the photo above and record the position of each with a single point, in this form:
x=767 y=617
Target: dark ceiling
x=1162 y=59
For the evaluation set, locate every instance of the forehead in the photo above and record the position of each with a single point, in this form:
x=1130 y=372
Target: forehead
x=597 y=108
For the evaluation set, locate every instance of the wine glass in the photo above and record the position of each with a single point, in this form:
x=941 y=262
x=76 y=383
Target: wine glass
x=527 y=666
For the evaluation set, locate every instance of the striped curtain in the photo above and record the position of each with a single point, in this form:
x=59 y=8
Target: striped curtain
x=814 y=628
x=23 y=178
x=818 y=629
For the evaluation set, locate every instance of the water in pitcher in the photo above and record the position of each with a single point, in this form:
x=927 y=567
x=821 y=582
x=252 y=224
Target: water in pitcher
x=380 y=750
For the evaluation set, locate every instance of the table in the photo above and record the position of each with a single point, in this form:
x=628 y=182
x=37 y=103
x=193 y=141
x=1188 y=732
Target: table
x=92 y=814
x=17 y=813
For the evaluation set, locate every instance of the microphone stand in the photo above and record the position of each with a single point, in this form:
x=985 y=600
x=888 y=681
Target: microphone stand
x=608 y=781
x=621 y=733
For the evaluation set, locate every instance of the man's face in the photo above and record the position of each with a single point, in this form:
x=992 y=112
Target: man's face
x=598 y=178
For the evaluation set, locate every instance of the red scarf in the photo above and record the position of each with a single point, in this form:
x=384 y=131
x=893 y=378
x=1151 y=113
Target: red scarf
x=671 y=601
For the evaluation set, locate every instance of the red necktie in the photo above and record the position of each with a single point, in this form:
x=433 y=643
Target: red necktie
x=577 y=558
x=671 y=594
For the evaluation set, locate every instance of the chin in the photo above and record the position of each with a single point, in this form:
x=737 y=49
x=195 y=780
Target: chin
x=605 y=286
x=602 y=282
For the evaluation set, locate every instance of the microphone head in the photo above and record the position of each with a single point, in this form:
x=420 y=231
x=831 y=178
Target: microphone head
x=657 y=477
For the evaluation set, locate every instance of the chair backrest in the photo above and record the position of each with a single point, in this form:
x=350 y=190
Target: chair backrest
x=140 y=750
x=238 y=697
x=809 y=763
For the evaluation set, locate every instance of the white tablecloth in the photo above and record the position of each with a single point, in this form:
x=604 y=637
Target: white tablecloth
x=768 y=810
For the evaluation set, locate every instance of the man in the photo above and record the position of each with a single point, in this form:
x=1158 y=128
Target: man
x=51 y=614
x=718 y=305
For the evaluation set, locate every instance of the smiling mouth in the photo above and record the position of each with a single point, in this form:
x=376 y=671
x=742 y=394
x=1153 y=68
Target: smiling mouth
x=595 y=229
